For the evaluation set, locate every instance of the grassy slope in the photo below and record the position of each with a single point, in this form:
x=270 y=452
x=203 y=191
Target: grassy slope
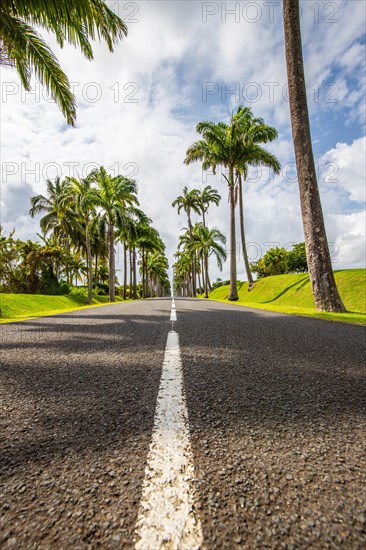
x=292 y=294
x=17 y=307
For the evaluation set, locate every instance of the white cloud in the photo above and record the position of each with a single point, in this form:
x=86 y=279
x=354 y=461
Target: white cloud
x=347 y=163
x=346 y=235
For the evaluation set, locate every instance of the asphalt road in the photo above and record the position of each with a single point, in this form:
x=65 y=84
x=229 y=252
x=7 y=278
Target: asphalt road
x=277 y=418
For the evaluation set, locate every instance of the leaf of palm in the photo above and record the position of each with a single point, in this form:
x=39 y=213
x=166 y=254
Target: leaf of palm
x=30 y=52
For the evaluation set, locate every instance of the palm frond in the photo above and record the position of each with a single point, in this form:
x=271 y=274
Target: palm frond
x=31 y=53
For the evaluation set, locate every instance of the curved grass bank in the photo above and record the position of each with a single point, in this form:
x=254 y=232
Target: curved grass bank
x=292 y=294
x=19 y=307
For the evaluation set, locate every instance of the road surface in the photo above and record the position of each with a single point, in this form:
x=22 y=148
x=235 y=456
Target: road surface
x=226 y=428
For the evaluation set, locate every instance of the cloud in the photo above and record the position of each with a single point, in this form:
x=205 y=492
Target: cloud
x=345 y=166
x=346 y=234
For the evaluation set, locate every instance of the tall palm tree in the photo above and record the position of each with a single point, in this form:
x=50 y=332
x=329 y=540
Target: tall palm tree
x=115 y=195
x=157 y=271
x=209 y=242
x=149 y=242
x=83 y=197
x=182 y=273
x=188 y=245
x=127 y=234
x=253 y=132
x=133 y=228
x=225 y=145
x=98 y=244
x=219 y=146
x=77 y=22
x=60 y=220
x=190 y=202
x=323 y=284
x=206 y=197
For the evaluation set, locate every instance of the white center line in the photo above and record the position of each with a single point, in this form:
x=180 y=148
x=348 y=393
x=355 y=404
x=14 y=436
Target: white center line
x=167 y=518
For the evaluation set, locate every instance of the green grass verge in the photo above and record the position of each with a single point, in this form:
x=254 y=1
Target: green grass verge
x=292 y=294
x=19 y=307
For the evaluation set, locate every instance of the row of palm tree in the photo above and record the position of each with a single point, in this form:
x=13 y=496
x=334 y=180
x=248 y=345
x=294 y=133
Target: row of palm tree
x=90 y=215
x=195 y=201
x=198 y=202
x=237 y=146
x=234 y=147
x=197 y=247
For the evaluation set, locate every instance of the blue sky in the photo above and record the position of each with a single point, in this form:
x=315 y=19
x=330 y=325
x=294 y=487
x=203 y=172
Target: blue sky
x=138 y=108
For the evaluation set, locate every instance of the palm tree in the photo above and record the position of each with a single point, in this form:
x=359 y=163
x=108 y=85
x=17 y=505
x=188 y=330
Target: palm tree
x=188 y=244
x=157 y=267
x=127 y=235
x=206 y=197
x=323 y=284
x=115 y=195
x=189 y=201
x=149 y=242
x=230 y=146
x=78 y=268
x=220 y=146
x=134 y=225
x=253 y=132
x=182 y=273
x=74 y=21
x=209 y=242
x=60 y=220
x=83 y=198
x=98 y=244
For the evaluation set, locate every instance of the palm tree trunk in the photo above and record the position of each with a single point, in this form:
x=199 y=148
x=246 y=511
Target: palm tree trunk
x=204 y=280
x=96 y=270
x=143 y=272
x=134 y=273
x=323 y=284
x=124 y=270
x=194 y=258
x=68 y=274
x=242 y=233
x=233 y=293
x=112 y=264
x=209 y=282
x=146 y=291
x=199 y=280
x=206 y=275
x=131 y=277
x=90 y=268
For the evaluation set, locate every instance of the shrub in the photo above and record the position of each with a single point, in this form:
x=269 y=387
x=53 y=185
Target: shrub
x=101 y=289
x=278 y=261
